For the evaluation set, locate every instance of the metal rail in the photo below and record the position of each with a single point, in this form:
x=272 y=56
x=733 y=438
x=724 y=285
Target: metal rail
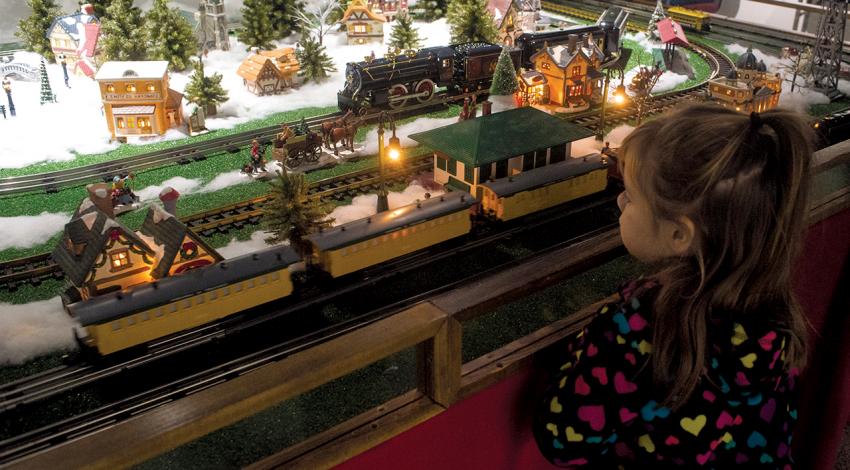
x=58 y=381
x=53 y=181
x=38 y=268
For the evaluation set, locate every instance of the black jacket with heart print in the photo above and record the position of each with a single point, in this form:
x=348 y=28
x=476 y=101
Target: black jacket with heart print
x=602 y=410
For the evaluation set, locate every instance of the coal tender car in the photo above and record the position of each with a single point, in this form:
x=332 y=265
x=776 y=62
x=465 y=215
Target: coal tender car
x=398 y=81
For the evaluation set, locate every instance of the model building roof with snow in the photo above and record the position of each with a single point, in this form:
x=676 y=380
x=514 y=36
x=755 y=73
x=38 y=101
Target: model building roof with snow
x=74 y=25
x=116 y=70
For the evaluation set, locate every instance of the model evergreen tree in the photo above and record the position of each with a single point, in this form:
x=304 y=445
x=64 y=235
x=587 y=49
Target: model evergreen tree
x=657 y=15
x=404 y=35
x=434 y=9
x=284 y=19
x=338 y=12
x=169 y=36
x=47 y=95
x=205 y=91
x=504 y=77
x=290 y=214
x=123 y=32
x=471 y=22
x=315 y=62
x=100 y=6
x=257 y=29
x=33 y=29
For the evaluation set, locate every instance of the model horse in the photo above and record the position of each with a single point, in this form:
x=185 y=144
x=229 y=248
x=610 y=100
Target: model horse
x=330 y=125
x=345 y=135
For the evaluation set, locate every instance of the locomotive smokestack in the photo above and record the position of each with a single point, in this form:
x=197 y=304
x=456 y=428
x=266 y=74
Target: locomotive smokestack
x=572 y=42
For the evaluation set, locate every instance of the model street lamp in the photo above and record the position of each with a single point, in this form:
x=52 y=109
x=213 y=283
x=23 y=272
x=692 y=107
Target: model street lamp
x=619 y=98
x=7 y=85
x=615 y=66
x=391 y=151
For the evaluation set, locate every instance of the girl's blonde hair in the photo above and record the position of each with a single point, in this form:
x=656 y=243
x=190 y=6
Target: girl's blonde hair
x=744 y=181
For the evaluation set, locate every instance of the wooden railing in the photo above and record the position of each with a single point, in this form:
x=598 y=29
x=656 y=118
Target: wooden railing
x=433 y=327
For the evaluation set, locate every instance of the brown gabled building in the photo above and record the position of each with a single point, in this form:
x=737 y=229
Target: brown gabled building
x=269 y=72
x=570 y=74
x=99 y=254
x=362 y=25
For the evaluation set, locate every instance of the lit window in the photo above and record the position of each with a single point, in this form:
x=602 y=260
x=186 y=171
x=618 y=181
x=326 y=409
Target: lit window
x=110 y=88
x=120 y=122
x=120 y=260
x=131 y=88
x=151 y=87
x=360 y=28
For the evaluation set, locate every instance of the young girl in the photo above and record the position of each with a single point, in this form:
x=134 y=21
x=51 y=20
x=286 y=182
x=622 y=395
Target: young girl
x=696 y=365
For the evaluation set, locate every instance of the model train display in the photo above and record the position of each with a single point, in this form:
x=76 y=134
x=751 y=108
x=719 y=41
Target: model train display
x=115 y=321
x=460 y=68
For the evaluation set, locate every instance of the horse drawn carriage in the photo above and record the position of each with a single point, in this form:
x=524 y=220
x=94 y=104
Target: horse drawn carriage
x=293 y=147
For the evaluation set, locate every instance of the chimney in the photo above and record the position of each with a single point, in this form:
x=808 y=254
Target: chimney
x=486 y=107
x=572 y=42
x=100 y=195
x=87 y=9
x=169 y=197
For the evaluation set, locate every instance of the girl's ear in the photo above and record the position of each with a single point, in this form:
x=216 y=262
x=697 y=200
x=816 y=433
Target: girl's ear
x=681 y=233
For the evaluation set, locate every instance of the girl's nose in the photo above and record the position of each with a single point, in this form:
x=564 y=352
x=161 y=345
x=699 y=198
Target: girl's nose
x=621 y=201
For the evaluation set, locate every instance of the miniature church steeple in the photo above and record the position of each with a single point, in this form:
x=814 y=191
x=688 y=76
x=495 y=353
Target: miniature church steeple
x=211 y=30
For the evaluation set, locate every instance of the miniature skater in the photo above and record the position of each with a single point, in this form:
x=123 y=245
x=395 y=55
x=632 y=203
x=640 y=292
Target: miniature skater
x=121 y=192
x=696 y=365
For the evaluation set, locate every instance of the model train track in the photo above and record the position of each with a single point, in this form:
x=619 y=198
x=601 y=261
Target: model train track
x=52 y=182
x=721 y=27
x=62 y=380
x=38 y=268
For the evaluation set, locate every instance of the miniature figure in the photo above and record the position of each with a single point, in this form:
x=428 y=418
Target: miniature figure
x=258 y=163
x=7 y=87
x=122 y=194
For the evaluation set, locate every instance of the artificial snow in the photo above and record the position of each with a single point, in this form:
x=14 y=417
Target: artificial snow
x=365 y=205
x=27 y=231
x=76 y=125
x=33 y=329
x=242 y=247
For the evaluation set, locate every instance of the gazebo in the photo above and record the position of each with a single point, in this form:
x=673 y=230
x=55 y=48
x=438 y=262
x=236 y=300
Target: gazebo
x=672 y=35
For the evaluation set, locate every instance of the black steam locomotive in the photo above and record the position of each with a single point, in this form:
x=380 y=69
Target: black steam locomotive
x=460 y=68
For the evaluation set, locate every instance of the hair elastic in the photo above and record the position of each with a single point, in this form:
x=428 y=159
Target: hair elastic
x=755 y=121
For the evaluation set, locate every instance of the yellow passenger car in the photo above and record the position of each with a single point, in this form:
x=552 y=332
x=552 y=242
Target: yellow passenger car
x=120 y=320
x=391 y=234
x=545 y=187
x=695 y=19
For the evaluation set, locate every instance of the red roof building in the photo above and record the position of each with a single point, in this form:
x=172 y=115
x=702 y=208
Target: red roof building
x=672 y=33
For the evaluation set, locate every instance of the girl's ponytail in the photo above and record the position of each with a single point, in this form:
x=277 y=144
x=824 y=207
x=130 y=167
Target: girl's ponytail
x=743 y=180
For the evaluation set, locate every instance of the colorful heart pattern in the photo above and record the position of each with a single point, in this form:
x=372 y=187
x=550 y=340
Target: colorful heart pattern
x=737 y=417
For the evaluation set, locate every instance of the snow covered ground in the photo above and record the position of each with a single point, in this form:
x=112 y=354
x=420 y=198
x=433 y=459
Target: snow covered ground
x=75 y=123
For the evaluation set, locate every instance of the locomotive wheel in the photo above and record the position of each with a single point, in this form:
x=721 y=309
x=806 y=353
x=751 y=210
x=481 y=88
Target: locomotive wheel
x=425 y=86
x=295 y=158
x=397 y=90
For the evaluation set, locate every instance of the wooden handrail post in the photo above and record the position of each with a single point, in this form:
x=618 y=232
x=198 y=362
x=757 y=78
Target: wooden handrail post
x=438 y=362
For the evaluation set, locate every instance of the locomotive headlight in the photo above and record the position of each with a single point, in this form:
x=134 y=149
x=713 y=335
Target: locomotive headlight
x=394 y=148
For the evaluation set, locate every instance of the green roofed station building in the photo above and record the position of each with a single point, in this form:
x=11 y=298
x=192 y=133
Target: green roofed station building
x=498 y=145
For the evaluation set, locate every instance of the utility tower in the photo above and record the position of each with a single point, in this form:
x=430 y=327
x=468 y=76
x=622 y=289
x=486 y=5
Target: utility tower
x=826 y=54
x=212 y=26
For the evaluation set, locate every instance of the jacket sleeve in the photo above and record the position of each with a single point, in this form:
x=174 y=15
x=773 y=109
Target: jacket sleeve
x=595 y=393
